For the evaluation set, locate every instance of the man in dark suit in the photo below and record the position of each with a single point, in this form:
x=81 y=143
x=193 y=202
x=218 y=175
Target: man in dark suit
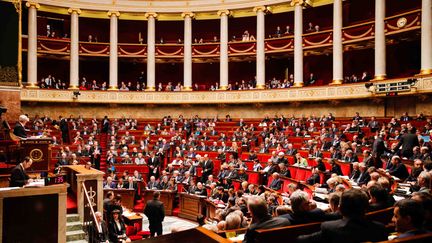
x=261 y=219
x=408 y=142
x=95 y=155
x=408 y=216
x=353 y=227
x=398 y=169
x=303 y=213
x=19 y=129
x=18 y=175
x=378 y=147
x=152 y=184
x=100 y=230
x=207 y=168
x=155 y=213
x=276 y=184
x=364 y=176
x=153 y=164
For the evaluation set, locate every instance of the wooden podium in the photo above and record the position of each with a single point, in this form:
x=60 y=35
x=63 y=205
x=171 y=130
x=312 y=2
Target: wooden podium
x=93 y=181
x=33 y=214
x=128 y=196
x=38 y=149
x=191 y=206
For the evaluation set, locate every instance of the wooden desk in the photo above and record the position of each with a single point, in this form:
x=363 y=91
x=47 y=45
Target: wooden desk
x=167 y=197
x=33 y=214
x=210 y=208
x=128 y=196
x=191 y=206
x=93 y=180
x=132 y=219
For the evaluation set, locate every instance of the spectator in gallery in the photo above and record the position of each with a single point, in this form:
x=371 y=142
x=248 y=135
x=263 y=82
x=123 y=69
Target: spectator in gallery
x=104 y=86
x=317 y=28
x=287 y=30
x=138 y=87
x=310 y=27
x=246 y=36
x=215 y=39
x=212 y=88
x=278 y=32
x=178 y=87
x=252 y=38
x=216 y=85
x=201 y=41
x=195 y=41
x=130 y=87
x=365 y=77
x=179 y=41
x=90 y=38
x=123 y=87
x=312 y=79
x=196 y=87
x=94 y=85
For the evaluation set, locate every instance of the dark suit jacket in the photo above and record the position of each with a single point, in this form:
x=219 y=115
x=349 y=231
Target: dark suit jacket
x=276 y=184
x=19 y=130
x=378 y=147
x=155 y=211
x=267 y=223
x=115 y=232
x=400 y=171
x=347 y=231
x=99 y=237
x=18 y=177
x=363 y=178
x=315 y=215
x=408 y=142
x=313 y=179
x=354 y=174
x=152 y=185
x=208 y=167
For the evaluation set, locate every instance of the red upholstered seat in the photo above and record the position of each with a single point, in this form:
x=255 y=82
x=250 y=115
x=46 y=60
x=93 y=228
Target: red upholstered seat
x=144 y=233
x=130 y=230
x=135 y=237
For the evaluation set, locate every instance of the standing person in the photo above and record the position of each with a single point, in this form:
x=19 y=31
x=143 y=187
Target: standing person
x=155 y=213
x=18 y=175
x=407 y=143
x=100 y=230
x=95 y=155
x=64 y=127
x=207 y=168
x=153 y=164
x=19 y=129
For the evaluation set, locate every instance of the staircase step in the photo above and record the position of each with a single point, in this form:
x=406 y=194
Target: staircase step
x=72 y=218
x=73 y=226
x=78 y=241
x=75 y=235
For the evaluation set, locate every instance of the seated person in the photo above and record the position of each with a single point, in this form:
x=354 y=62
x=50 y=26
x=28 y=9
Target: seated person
x=305 y=211
x=408 y=216
x=276 y=184
x=300 y=161
x=261 y=219
x=353 y=227
x=117 y=229
x=378 y=198
x=426 y=200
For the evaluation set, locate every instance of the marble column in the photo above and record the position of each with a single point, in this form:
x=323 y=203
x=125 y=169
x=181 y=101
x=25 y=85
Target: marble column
x=223 y=70
x=337 y=43
x=151 y=52
x=298 y=43
x=260 y=50
x=380 y=45
x=113 y=54
x=187 y=50
x=32 y=45
x=74 y=49
x=426 y=37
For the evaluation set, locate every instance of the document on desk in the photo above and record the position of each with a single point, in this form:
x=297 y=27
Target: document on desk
x=36 y=183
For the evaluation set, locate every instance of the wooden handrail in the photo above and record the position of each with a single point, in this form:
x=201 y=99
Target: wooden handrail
x=91 y=207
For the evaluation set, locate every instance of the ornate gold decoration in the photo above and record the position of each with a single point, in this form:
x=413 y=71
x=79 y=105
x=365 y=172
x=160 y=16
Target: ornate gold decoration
x=380 y=77
x=223 y=87
x=74 y=10
x=259 y=8
x=151 y=14
x=170 y=54
x=206 y=53
x=279 y=48
x=18 y=8
x=187 y=88
x=9 y=75
x=303 y=3
x=73 y=87
x=116 y=13
x=133 y=53
x=317 y=43
x=53 y=50
x=190 y=14
x=150 y=88
x=336 y=82
x=113 y=88
x=242 y=51
x=95 y=52
x=401 y=22
x=30 y=4
x=298 y=84
x=358 y=36
x=425 y=71
x=36 y=155
x=260 y=86
x=224 y=12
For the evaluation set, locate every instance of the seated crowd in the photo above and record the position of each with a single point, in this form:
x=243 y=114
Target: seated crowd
x=389 y=165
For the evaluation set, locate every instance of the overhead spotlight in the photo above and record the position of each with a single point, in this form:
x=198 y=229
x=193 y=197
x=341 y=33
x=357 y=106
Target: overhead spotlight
x=75 y=95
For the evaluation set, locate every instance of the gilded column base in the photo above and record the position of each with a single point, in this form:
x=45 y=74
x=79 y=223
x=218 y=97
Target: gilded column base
x=298 y=84
x=260 y=86
x=113 y=88
x=32 y=86
x=224 y=87
x=425 y=72
x=380 y=77
x=150 y=89
x=336 y=82
x=187 y=88
x=73 y=87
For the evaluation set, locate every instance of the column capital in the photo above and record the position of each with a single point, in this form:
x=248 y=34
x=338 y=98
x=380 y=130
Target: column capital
x=303 y=3
x=30 y=4
x=74 y=10
x=190 y=14
x=224 y=12
x=150 y=14
x=116 y=13
x=260 y=8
